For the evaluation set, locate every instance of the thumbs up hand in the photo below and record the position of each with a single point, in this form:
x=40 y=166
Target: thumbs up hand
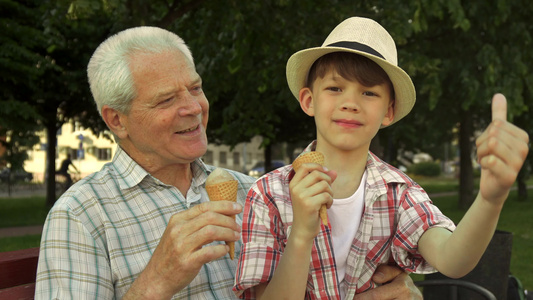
x=501 y=151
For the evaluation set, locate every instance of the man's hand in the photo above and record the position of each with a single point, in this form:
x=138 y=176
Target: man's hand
x=182 y=252
x=501 y=151
x=401 y=286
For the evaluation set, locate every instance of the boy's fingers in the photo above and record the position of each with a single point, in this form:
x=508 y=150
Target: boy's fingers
x=499 y=107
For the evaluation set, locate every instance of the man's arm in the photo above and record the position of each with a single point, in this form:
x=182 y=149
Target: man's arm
x=501 y=150
x=181 y=252
x=70 y=256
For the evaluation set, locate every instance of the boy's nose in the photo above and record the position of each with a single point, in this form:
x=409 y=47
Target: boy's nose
x=349 y=107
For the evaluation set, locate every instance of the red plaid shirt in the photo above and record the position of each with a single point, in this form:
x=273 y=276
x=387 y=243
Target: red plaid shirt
x=397 y=211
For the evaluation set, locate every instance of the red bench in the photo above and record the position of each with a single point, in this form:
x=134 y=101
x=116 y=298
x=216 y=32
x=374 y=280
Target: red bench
x=17 y=273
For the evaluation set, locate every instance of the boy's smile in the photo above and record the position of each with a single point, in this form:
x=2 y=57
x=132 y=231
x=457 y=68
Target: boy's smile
x=348 y=123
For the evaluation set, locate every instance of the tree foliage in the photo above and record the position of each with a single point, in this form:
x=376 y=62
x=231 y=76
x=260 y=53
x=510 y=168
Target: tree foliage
x=19 y=70
x=458 y=54
x=468 y=51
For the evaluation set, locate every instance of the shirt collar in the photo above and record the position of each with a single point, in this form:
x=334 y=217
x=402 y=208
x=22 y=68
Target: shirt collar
x=379 y=172
x=201 y=171
x=382 y=172
x=130 y=173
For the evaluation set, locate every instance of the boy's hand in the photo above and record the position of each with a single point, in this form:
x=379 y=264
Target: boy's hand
x=310 y=188
x=501 y=151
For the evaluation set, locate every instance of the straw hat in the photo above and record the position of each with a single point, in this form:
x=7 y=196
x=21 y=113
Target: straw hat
x=364 y=37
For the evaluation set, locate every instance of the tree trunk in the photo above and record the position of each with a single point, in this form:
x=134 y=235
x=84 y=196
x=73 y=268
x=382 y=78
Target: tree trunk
x=466 y=175
x=50 y=168
x=522 y=185
x=9 y=183
x=525 y=172
x=268 y=158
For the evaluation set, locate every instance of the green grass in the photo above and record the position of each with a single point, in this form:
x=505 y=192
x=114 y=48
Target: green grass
x=16 y=212
x=22 y=211
x=515 y=218
x=19 y=242
x=437 y=185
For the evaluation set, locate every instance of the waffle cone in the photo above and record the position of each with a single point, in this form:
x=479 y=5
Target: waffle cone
x=317 y=158
x=309 y=157
x=224 y=191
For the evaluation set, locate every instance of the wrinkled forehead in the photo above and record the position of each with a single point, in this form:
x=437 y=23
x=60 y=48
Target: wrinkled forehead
x=165 y=72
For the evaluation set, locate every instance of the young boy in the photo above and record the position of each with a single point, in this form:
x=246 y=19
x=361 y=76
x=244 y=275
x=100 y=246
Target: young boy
x=352 y=86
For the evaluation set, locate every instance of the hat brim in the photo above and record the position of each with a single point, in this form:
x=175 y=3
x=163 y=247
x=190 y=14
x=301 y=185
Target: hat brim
x=299 y=64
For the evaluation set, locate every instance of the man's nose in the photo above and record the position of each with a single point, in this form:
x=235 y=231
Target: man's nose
x=190 y=106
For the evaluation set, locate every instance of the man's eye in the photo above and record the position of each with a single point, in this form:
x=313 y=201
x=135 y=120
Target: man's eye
x=196 y=90
x=165 y=101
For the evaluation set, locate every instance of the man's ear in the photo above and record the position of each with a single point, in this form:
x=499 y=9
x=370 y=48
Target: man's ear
x=389 y=116
x=306 y=101
x=114 y=121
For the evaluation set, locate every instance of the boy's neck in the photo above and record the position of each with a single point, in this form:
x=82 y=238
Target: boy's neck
x=349 y=166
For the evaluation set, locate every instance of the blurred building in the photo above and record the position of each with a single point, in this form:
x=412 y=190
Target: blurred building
x=89 y=152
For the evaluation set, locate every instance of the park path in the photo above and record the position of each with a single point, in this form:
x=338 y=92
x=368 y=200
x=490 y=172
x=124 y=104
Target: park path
x=20 y=231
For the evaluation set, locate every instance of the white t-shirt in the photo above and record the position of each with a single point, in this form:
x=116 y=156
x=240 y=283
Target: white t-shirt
x=345 y=217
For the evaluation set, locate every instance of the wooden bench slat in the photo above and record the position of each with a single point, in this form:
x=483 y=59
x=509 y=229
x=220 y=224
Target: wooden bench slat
x=18 y=267
x=21 y=292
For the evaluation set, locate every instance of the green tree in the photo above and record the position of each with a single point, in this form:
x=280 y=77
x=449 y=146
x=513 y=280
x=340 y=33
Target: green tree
x=63 y=88
x=242 y=54
x=476 y=49
x=18 y=58
x=458 y=54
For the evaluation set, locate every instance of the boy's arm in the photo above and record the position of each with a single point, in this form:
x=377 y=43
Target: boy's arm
x=310 y=188
x=501 y=150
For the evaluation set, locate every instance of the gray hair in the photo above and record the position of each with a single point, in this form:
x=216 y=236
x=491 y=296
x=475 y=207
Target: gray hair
x=108 y=71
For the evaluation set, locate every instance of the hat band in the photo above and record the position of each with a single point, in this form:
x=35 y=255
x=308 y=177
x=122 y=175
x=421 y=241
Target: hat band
x=357 y=46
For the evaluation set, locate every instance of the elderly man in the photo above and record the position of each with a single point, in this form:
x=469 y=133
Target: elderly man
x=143 y=226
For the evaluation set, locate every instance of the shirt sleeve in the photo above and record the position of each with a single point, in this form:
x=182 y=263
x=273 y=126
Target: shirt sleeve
x=71 y=263
x=263 y=238
x=416 y=215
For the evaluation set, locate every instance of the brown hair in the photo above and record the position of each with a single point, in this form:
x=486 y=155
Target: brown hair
x=351 y=67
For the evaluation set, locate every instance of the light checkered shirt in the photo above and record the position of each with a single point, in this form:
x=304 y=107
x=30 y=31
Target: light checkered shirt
x=397 y=211
x=100 y=235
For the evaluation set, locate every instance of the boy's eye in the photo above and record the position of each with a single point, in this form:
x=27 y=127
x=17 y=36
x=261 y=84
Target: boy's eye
x=334 y=89
x=369 y=93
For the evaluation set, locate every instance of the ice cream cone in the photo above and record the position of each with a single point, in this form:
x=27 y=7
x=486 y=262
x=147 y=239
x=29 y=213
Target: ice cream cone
x=317 y=158
x=223 y=187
